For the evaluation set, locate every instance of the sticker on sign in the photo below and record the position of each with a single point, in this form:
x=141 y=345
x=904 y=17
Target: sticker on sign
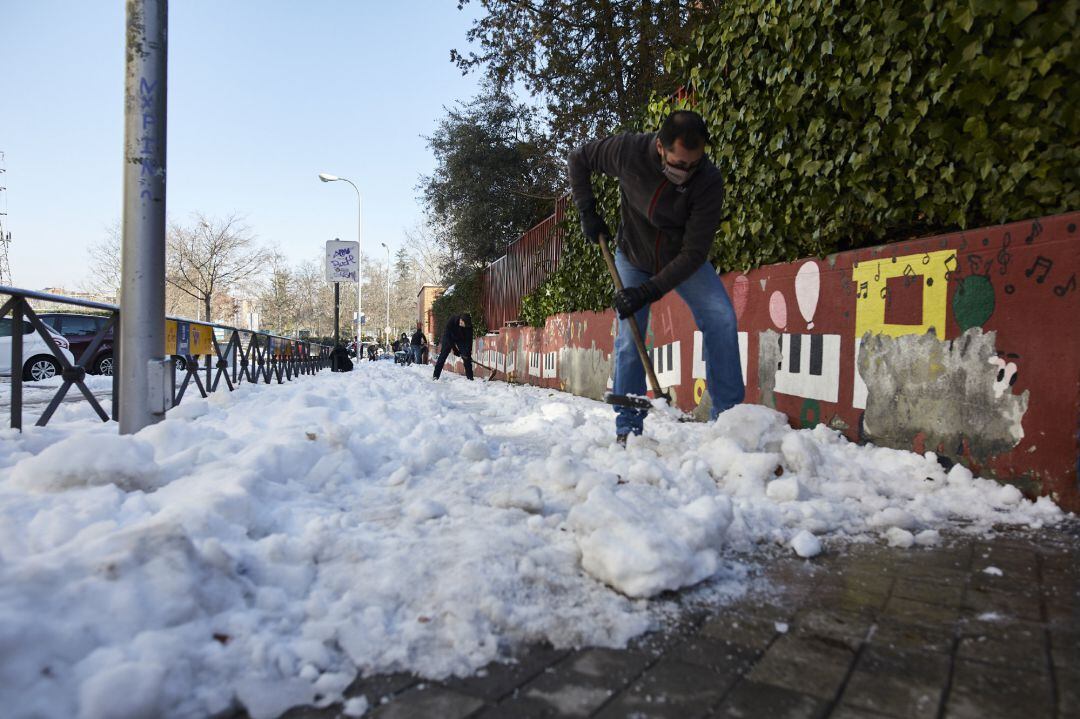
x=342 y=261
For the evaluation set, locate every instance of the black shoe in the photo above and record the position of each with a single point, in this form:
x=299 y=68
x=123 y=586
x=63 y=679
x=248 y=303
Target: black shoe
x=620 y=439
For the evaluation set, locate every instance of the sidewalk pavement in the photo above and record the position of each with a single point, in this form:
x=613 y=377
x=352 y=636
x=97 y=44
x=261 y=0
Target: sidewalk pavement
x=976 y=628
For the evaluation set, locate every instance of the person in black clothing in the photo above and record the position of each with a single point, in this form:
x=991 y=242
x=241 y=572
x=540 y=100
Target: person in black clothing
x=417 y=344
x=339 y=359
x=457 y=337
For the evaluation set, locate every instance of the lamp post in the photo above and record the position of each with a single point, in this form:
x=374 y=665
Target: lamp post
x=360 y=249
x=387 y=291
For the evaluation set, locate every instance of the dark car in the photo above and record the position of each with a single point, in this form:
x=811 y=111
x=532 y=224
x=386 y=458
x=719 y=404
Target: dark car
x=80 y=331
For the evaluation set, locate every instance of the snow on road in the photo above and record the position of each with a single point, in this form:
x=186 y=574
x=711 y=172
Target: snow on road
x=263 y=547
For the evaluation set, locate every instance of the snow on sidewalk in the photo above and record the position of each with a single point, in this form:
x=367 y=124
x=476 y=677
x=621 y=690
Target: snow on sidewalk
x=267 y=545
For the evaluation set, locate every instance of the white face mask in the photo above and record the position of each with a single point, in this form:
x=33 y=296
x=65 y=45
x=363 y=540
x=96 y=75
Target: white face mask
x=675 y=175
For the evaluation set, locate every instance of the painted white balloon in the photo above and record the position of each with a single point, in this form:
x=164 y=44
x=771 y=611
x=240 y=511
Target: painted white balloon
x=807 y=289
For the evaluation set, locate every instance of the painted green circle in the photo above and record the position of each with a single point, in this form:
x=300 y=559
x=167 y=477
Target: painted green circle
x=973 y=302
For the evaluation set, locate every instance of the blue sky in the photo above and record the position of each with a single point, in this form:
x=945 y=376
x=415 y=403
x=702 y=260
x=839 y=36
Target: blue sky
x=263 y=95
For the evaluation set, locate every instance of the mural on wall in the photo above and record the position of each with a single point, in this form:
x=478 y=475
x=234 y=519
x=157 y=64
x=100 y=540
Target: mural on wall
x=956 y=344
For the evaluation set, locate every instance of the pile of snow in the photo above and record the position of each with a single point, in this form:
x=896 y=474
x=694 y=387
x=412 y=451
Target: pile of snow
x=264 y=547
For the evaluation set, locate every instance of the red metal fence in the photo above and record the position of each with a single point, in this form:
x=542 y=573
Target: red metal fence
x=527 y=263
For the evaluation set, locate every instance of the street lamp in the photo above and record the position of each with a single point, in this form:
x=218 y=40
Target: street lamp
x=325 y=177
x=387 y=291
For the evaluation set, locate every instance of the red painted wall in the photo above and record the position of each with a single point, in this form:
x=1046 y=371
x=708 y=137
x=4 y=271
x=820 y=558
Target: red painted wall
x=1018 y=281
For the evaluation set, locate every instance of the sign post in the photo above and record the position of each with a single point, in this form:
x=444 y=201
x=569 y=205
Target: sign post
x=342 y=265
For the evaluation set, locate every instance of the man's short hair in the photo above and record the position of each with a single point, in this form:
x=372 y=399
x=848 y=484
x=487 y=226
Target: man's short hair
x=685 y=125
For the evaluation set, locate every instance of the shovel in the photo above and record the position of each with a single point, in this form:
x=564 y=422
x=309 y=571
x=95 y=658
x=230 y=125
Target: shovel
x=635 y=332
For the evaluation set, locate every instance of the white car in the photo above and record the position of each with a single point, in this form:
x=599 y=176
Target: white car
x=39 y=363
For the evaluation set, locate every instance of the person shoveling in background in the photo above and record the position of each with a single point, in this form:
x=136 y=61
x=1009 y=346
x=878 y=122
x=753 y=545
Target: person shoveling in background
x=671 y=204
x=456 y=338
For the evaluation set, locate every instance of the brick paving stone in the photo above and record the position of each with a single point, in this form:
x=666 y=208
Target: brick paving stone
x=751 y=700
x=672 y=689
x=720 y=656
x=893 y=634
x=848 y=627
x=856 y=601
x=1013 y=644
x=517 y=707
x=845 y=711
x=375 y=688
x=746 y=631
x=949 y=591
x=904 y=684
x=915 y=612
x=330 y=712
x=1068 y=693
x=810 y=666
x=584 y=681
x=1065 y=647
x=982 y=691
x=569 y=694
x=430 y=702
x=498 y=679
x=1015 y=606
x=1009 y=582
x=617 y=666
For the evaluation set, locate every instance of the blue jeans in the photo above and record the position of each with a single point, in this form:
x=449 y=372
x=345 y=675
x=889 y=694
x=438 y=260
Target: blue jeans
x=417 y=353
x=708 y=301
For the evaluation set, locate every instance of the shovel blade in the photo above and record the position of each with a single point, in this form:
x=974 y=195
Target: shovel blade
x=622 y=400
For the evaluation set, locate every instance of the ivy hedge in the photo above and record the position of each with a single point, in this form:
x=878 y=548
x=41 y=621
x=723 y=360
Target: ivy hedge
x=844 y=123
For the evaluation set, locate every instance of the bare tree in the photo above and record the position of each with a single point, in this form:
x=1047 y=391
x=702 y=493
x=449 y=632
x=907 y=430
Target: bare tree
x=211 y=256
x=104 y=263
x=428 y=253
x=277 y=295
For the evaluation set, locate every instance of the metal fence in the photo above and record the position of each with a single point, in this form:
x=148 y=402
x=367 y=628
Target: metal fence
x=238 y=356
x=527 y=263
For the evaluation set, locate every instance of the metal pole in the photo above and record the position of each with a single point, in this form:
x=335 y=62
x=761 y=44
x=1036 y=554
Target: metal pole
x=387 y=292
x=360 y=270
x=337 y=313
x=142 y=293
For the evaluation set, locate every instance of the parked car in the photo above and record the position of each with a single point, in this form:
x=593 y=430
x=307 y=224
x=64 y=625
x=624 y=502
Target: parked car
x=39 y=363
x=80 y=331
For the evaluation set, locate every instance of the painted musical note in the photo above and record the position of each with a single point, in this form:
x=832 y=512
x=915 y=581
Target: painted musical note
x=1004 y=257
x=1069 y=286
x=909 y=275
x=974 y=263
x=1036 y=230
x=1041 y=263
x=952 y=265
x=926 y=258
x=963 y=243
x=877 y=275
x=864 y=290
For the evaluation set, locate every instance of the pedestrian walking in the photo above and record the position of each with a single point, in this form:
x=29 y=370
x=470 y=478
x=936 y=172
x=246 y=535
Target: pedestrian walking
x=418 y=344
x=671 y=204
x=456 y=338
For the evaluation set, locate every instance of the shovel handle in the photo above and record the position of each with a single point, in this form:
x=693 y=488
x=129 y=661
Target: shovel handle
x=635 y=331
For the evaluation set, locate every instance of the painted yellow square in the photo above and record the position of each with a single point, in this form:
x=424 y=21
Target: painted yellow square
x=871 y=277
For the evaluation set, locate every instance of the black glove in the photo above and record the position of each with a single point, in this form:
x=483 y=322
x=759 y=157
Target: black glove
x=632 y=299
x=593 y=226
